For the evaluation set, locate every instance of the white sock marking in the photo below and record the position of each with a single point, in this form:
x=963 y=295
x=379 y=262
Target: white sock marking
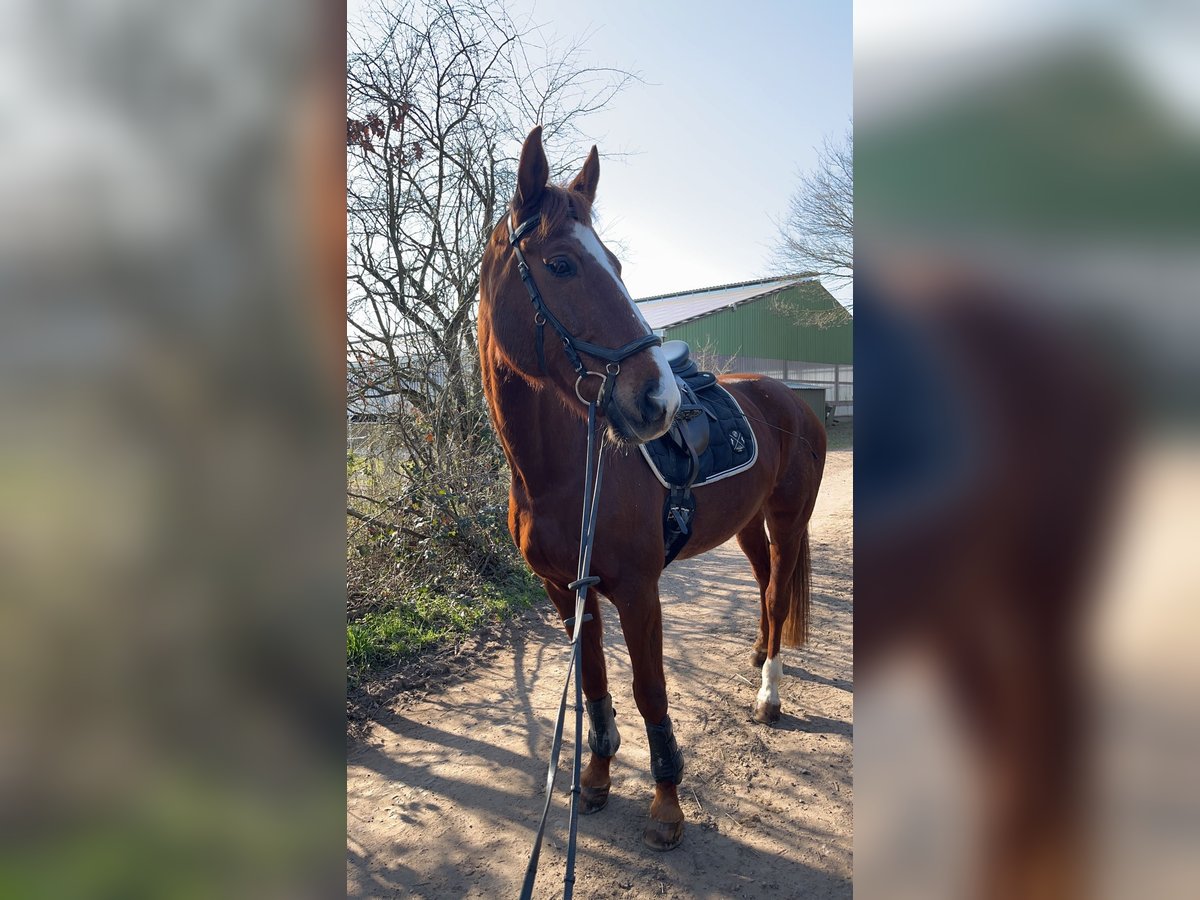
x=772 y=674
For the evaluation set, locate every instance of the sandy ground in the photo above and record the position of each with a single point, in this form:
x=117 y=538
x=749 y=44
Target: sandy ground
x=445 y=790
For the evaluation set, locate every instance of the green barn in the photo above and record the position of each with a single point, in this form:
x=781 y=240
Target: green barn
x=789 y=327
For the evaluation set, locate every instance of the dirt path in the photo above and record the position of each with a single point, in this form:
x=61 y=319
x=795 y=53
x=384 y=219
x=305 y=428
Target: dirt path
x=445 y=792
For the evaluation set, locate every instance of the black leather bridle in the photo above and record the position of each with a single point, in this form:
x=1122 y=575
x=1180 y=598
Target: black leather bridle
x=572 y=345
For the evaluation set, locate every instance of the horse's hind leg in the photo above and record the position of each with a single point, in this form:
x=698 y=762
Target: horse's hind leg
x=603 y=737
x=786 y=601
x=753 y=541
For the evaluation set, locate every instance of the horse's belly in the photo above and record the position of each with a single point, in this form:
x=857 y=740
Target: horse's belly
x=723 y=509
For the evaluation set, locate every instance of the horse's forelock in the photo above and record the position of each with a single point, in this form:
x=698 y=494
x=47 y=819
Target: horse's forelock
x=558 y=205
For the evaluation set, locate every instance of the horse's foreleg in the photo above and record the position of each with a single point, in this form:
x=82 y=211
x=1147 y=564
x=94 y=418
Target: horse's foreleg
x=641 y=622
x=603 y=737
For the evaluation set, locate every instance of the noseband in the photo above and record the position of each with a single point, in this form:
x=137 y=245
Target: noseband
x=572 y=346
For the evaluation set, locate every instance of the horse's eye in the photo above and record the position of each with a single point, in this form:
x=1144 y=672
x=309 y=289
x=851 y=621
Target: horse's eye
x=560 y=267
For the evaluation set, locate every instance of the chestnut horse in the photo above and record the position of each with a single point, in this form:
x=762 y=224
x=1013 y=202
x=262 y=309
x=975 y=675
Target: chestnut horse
x=536 y=396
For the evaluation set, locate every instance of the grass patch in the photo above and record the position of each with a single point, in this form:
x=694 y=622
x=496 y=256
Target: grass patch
x=425 y=617
x=840 y=436
x=179 y=835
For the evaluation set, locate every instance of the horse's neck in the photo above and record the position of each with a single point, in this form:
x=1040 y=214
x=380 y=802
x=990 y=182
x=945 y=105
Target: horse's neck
x=544 y=443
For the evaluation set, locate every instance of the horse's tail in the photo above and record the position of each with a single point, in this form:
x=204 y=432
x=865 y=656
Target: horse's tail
x=795 y=626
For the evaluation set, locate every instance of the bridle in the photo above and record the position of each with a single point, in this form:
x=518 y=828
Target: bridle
x=584 y=580
x=572 y=345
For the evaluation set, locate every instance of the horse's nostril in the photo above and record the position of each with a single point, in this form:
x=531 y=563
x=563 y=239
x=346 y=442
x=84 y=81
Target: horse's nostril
x=653 y=404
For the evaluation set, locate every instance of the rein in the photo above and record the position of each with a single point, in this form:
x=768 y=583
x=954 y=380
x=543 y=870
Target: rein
x=583 y=581
x=572 y=346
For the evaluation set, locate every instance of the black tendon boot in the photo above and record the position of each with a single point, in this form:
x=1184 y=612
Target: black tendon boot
x=603 y=737
x=666 y=759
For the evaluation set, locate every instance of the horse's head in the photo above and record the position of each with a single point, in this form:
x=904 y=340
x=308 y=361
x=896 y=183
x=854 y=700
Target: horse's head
x=573 y=302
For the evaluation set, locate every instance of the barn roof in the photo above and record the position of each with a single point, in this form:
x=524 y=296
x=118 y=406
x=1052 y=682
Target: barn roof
x=667 y=310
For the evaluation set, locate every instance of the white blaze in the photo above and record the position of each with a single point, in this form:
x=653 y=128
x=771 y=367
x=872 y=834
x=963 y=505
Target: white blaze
x=667 y=392
x=772 y=674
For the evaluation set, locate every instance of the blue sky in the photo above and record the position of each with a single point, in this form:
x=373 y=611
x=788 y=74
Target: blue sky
x=736 y=97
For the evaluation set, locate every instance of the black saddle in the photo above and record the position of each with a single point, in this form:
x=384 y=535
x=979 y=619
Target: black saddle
x=709 y=439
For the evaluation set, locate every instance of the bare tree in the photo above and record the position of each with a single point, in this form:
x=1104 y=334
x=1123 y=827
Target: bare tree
x=440 y=94
x=817 y=235
x=709 y=360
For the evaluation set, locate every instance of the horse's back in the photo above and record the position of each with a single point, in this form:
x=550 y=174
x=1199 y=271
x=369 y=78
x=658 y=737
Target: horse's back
x=777 y=413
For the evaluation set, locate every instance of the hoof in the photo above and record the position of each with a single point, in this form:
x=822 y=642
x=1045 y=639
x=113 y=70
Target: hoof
x=758 y=656
x=593 y=799
x=663 y=835
x=766 y=713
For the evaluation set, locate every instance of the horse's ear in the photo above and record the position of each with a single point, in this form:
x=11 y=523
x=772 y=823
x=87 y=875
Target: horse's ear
x=589 y=176
x=532 y=173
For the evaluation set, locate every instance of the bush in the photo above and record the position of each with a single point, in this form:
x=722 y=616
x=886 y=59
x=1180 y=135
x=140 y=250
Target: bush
x=428 y=549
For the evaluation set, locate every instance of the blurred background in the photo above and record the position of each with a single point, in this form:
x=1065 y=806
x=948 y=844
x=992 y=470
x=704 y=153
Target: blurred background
x=172 y=458
x=1027 y=178
x=172 y=239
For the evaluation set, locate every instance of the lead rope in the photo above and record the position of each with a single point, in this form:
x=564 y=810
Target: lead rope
x=584 y=580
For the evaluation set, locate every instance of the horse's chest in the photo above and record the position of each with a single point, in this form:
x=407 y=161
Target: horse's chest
x=544 y=542
x=548 y=535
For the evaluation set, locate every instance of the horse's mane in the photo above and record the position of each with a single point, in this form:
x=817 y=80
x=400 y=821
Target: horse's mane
x=558 y=205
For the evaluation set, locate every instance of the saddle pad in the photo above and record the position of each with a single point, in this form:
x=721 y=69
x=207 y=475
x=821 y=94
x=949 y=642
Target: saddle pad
x=731 y=445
